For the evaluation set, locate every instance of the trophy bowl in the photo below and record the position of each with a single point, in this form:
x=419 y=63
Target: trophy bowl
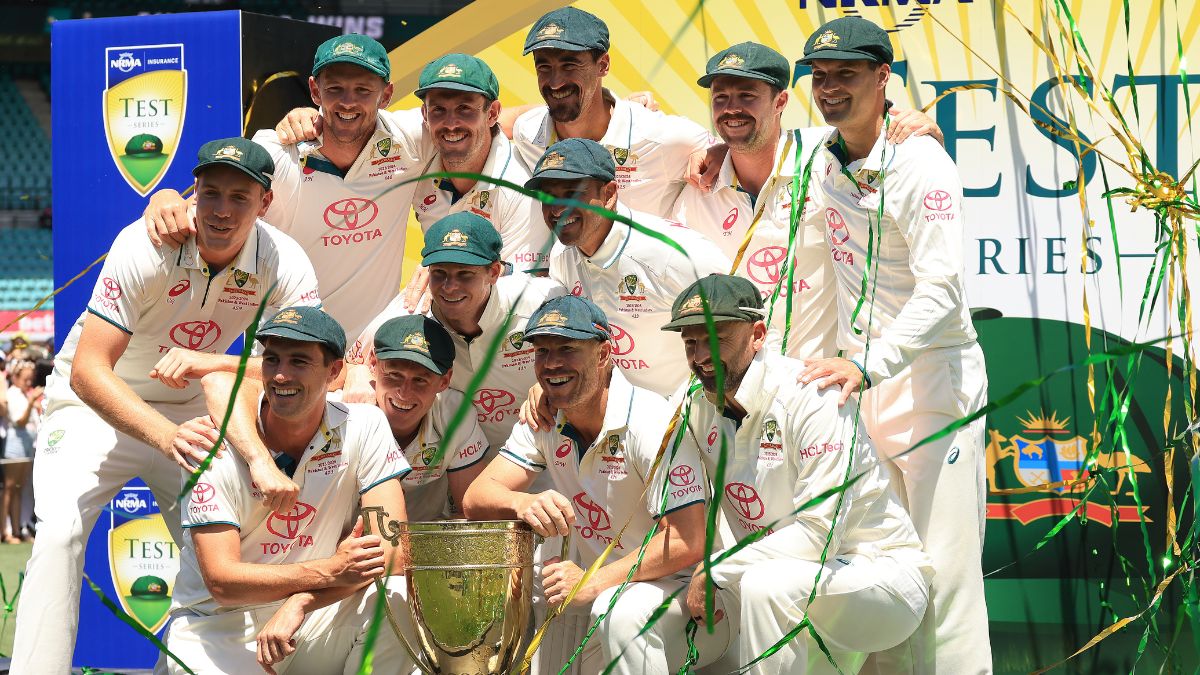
x=470 y=586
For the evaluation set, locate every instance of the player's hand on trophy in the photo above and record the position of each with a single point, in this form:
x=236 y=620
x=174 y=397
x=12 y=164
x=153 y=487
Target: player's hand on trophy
x=549 y=513
x=695 y=599
x=167 y=218
x=190 y=442
x=275 y=641
x=301 y=124
x=416 y=293
x=179 y=365
x=913 y=122
x=704 y=167
x=559 y=577
x=833 y=371
x=279 y=492
x=357 y=559
x=644 y=99
x=536 y=410
x=359 y=386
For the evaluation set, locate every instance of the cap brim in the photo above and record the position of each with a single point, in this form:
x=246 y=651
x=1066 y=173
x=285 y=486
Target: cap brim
x=561 y=331
x=706 y=81
x=556 y=44
x=289 y=333
x=451 y=256
x=563 y=174
x=694 y=319
x=456 y=86
x=258 y=178
x=354 y=61
x=409 y=355
x=140 y=154
x=839 y=55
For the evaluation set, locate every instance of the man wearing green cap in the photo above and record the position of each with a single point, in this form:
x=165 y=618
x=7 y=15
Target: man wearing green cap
x=292 y=589
x=783 y=446
x=411 y=365
x=650 y=149
x=755 y=189
x=341 y=197
x=119 y=404
x=600 y=456
x=909 y=340
x=484 y=313
x=631 y=275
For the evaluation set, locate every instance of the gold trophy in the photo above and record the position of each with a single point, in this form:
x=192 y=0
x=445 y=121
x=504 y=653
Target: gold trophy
x=470 y=586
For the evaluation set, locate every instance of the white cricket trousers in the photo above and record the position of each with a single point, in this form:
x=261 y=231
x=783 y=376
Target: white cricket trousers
x=943 y=486
x=864 y=604
x=73 y=481
x=331 y=639
x=659 y=651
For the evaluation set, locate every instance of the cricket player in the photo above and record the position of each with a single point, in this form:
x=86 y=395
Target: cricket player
x=650 y=149
x=600 y=459
x=755 y=191
x=909 y=340
x=340 y=197
x=290 y=591
x=784 y=445
x=631 y=275
x=119 y=404
x=412 y=364
x=484 y=313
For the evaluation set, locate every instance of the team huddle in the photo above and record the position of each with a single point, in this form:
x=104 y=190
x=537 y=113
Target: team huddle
x=769 y=320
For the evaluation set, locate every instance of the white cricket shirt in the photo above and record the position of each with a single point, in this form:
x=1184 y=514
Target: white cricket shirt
x=920 y=299
x=352 y=452
x=607 y=480
x=426 y=487
x=651 y=150
x=634 y=279
x=166 y=297
x=724 y=216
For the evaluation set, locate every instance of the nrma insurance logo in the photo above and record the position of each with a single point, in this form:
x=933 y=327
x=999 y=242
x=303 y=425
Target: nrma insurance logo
x=142 y=557
x=893 y=16
x=144 y=103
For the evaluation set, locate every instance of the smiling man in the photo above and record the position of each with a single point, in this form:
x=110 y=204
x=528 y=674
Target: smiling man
x=292 y=591
x=119 y=404
x=909 y=338
x=600 y=460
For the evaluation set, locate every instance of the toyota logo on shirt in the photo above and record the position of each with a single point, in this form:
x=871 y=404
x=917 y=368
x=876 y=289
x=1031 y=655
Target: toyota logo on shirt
x=938 y=200
x=195 y=335
x=765 y=265
x=289 y=525
x=489 y=400
x=112 y=289
x=353 y=213
x=622 y=342
x=682 y=475
x=592 y=513
x=745 y=500
x=838 y=232
x=203 y=493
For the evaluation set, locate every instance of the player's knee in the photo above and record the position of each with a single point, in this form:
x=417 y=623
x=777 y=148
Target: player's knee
x=761 y=586
x=627 y=617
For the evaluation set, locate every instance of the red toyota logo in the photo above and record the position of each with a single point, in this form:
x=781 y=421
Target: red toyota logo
x=564 y=449
x=745 y=500
x=112 y=289
x=203 y=493
x=490 y=399
x=622 y=342
x=290 y=524
x=766 y=264
x=838 y=232
x=179 y=288
x=730 y=220
x=595 y=514
x=938 y=200
x=682 y=475
x=196 y=335
x=351 y=214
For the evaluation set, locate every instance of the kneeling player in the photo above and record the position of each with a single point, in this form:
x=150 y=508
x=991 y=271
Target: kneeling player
x=786 y=445
x=240 y=559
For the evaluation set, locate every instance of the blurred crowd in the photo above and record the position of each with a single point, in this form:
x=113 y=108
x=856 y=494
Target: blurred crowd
x=25 y=367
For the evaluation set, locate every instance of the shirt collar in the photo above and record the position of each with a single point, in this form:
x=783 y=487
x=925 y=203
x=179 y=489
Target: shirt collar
x=499 y=156
x=614 y=244
x=728 y=176
x=313 y=147
x=616 y=413
x=247 y=260
x=752 y=383
x=864 y=170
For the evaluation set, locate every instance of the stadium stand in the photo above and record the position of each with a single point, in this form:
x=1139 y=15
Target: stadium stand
x=24 y=144
x=26 y=270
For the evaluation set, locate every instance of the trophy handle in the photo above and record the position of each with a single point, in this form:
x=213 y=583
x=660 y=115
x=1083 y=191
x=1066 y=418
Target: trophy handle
x=389 y=529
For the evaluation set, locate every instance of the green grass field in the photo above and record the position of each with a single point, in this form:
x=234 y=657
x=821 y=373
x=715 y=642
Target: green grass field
x=12 y=564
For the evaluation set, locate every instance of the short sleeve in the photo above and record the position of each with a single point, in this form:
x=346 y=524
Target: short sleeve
x=521 y=449
x=127 y=279
x=678 y=481
x=218 y=497
x=295 y=280
x=379 y=458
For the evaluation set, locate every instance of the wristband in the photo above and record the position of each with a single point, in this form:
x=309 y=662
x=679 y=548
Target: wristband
x=861 y=369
